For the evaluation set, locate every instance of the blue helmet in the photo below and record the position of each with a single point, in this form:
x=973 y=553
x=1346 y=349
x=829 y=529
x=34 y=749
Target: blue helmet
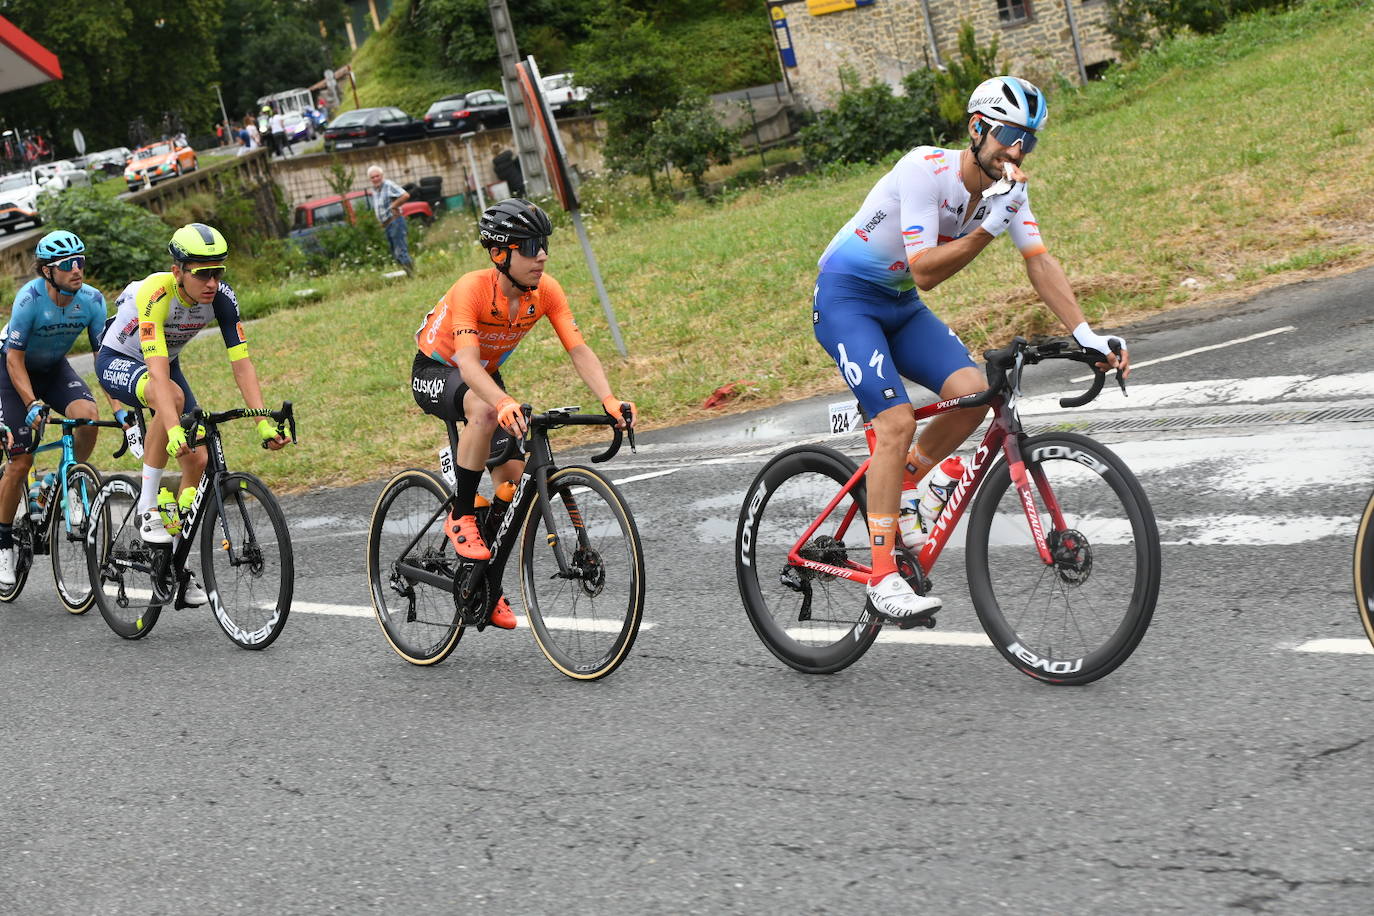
x=58 y=245
x=1009 y=99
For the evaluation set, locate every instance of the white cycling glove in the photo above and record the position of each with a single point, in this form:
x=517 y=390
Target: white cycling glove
x=1002 y=209
x=1090 y=340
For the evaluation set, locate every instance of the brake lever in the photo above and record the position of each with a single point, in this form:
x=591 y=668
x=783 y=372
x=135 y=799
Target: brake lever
x=1115 y=344
x=625 y=409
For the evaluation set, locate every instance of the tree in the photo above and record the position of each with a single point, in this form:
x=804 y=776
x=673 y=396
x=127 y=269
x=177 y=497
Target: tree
x=691 y=137
x=627 y=67
x=964 y=73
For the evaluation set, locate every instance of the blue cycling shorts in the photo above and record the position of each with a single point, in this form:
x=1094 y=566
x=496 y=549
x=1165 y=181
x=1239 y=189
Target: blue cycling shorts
x=124 y=377
x=878 y=335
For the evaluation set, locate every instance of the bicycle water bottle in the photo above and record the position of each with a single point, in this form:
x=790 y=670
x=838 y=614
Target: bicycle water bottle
x=35 y=495
x=169 y=510
x=940 y=484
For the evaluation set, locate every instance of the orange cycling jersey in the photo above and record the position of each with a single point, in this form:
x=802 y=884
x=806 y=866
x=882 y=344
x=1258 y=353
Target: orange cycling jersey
x=475 y=313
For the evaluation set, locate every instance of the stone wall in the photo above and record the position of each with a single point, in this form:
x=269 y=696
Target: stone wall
x=302 y=178
x=885 y=41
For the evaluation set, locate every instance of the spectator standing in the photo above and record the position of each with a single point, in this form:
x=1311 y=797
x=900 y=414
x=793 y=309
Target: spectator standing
x=277 y=124
x=387 y=197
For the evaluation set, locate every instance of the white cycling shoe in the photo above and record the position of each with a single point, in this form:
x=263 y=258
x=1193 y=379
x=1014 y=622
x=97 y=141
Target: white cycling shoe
x=151 y=528
x=194 y=596
x=894 y=599
x=7 y=559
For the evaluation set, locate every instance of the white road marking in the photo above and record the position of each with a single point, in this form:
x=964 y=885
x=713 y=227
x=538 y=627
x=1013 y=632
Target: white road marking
x=1271 y=392
x=337 y=610
x=1193 y=352
x=553 y=623
x=920 y=637
x=1337 y=646
x=648 y=476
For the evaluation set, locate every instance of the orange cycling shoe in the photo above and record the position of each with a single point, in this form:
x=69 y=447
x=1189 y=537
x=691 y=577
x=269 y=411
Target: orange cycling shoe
x=502 y=616
x=466 y=539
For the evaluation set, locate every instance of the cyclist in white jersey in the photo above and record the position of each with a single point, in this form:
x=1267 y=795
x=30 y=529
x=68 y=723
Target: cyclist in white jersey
x=923 y=222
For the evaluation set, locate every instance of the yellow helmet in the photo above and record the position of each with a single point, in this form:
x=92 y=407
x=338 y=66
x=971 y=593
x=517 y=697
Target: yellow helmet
x=197 y=242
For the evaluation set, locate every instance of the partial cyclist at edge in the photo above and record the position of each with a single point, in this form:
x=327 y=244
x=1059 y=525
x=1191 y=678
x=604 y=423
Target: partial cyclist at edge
x=923 y=222
x=139 y=363
x=49 y=314
x=466 y=338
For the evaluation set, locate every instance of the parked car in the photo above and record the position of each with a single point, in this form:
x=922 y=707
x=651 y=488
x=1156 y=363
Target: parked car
x=314 y=215
x=477 y=110
x=110 y=161
x=370 y=127
x=19 y=200
x=18 y=196
x=299 y=127
x=158 y=162
x=59 y=175
x=560 y=91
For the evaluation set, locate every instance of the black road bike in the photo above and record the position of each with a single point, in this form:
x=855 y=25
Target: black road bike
x=581 y=562
x=245 y=548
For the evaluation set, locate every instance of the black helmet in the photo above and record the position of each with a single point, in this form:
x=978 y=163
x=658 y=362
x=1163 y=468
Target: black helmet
x=512 y=220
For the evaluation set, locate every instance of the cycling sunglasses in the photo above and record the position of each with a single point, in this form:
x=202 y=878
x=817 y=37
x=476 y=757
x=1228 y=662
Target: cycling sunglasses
x=530 y=247
x=208 y=273
x=71 y=263
x=1012 y=134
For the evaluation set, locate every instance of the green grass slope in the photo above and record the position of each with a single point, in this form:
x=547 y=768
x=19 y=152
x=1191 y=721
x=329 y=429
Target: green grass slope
x=1239 y=169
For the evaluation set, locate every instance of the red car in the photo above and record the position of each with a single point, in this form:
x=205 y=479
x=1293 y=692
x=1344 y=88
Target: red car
x=325 y=211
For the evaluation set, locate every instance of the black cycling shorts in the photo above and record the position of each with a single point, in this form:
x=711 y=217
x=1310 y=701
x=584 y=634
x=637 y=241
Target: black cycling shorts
x=439 y=389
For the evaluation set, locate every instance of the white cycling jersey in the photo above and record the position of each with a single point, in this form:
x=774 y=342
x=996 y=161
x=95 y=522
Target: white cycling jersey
x=920 y=203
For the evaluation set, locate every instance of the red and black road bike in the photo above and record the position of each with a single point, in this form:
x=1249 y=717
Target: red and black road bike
x=1061 y=548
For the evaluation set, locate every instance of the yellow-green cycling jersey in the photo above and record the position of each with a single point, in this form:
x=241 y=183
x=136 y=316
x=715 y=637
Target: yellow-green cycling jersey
x=153 y=320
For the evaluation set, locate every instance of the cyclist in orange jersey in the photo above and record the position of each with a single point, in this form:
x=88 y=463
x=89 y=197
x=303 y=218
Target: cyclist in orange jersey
x=468 y=335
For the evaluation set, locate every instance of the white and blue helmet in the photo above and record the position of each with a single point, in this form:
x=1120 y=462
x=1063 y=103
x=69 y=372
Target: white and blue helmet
x=1011 y=100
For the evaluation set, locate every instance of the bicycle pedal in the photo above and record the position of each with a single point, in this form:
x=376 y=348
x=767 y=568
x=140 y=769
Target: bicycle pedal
x=925 y=619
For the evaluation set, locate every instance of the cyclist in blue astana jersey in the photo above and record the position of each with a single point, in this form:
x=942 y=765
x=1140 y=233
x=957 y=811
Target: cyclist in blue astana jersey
x=49 y=313
x=923 y=222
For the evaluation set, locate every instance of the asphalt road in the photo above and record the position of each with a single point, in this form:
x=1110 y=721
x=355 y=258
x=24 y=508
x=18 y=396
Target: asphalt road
x=1224 y=767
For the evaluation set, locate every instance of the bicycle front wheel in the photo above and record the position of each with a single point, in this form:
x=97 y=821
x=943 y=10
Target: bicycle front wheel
x=245 y=554
x=121 y=566
x=1077 y=619
x=410 y=569
x=1364 y=569
x=585 y=619
x=815 y=622
x=23 y=551
x=68 y=538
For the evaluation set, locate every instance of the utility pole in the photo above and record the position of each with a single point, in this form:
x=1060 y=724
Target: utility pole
x=526 y=146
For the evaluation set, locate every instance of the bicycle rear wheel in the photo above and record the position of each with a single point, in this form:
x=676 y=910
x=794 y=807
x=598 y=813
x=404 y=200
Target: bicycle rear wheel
x=245 y=554
x=68 y=538
x=1364 y=569
x=409 y=561
x=585 y=625
x=120 y=564
x=816 y=623
x=1076 y=620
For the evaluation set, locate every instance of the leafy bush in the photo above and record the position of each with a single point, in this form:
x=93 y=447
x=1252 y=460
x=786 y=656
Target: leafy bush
x=1138 y=25
x=868 y=122
x=360 y=244
x=691 y=137
x=124 y=242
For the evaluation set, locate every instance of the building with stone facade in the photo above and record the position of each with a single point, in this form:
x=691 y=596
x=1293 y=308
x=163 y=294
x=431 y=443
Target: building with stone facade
x=883 y=40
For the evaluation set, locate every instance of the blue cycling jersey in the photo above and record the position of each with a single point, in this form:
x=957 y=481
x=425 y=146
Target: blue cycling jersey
x=44 y=331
